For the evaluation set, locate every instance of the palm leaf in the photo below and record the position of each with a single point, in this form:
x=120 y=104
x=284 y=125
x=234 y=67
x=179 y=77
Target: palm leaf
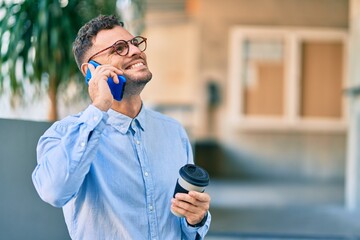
x=36 y=39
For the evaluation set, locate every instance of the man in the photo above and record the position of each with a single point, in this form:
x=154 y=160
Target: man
x=113 y=167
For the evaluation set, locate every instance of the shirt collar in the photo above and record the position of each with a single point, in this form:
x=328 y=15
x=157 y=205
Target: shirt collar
x=122 y=122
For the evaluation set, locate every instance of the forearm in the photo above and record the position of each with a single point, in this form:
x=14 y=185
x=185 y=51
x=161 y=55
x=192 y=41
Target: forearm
x=65 y=153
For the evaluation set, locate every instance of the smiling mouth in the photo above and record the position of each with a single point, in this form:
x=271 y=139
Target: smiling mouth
x=136 y=65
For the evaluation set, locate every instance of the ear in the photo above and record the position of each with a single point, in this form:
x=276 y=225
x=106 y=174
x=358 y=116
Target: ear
x=84 y=68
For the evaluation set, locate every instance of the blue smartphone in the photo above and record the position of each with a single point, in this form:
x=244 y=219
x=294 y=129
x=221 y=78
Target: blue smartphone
x=117 y=90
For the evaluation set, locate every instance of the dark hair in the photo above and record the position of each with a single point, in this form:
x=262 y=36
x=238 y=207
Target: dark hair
x=83 y=40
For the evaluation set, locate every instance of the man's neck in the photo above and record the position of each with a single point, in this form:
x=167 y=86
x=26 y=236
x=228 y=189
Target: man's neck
x=130 y=106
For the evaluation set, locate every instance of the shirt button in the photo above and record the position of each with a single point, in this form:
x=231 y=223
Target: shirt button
x=82 y=144
x=137 y=142
x=95 y=118
x=146 y=174
x=151 y=207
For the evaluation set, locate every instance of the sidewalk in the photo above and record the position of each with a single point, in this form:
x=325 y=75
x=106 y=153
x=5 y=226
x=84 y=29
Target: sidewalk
x=257 y=210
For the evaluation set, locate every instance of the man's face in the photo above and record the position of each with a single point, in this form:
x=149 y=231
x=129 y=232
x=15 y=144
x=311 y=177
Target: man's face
x=133 y=64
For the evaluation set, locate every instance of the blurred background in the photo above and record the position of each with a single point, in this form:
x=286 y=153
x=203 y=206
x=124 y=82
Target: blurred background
x=266 y=89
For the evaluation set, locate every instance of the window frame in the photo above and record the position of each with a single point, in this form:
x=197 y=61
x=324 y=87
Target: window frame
x=291 y=119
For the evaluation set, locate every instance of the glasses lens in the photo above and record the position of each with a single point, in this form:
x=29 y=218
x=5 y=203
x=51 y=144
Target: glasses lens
x=139 y=42
x=121 y=47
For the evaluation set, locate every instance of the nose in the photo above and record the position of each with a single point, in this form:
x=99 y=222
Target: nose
x=133 y=50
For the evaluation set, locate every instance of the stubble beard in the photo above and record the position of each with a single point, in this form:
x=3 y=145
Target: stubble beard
x=134 y=85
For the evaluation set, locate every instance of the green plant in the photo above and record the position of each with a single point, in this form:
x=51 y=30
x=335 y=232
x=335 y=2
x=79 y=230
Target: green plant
x=36 y=39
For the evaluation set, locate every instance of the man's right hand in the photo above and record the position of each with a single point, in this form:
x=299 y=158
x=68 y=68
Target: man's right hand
x=99 y=90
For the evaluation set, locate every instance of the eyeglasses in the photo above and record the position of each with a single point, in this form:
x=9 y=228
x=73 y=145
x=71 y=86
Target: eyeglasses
x=121 y=47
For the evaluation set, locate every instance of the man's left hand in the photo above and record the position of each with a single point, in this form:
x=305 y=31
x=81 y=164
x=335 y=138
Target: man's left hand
x=193 y=205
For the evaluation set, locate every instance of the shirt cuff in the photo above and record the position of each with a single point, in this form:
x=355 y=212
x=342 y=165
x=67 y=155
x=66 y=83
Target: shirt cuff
x=200 y=232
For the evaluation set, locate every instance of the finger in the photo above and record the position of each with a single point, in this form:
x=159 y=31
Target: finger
x=184 y=206
x=115 y=77
x=118 y=71
x=200 y=205
x=105 y=67
x=192 y=214
x=202 y=197
x=105 y=74
x=179 y=210
x=184 y=212
x=186 y=197
x=194 y=198
x=112 y=72
x=192 y=206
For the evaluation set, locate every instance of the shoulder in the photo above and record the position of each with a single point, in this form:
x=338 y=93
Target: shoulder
x=68 y=120
x=152 y=114
x=77 y=119
x=61 y=126
x=165 y=122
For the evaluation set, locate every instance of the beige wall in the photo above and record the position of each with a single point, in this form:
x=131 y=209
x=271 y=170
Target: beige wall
x=216 y=17
x=181 y=76
x=311 y=155
x=173 y=58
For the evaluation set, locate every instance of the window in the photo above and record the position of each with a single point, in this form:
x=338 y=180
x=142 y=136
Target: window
x=287 y=78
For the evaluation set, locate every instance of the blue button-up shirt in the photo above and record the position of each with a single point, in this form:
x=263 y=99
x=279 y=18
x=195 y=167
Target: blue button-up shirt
x=114 y=175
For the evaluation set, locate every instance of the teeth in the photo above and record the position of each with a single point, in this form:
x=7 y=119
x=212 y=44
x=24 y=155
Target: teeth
x=136 y=65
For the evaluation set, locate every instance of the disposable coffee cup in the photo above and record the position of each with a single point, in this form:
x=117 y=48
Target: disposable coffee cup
x=192 y=178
